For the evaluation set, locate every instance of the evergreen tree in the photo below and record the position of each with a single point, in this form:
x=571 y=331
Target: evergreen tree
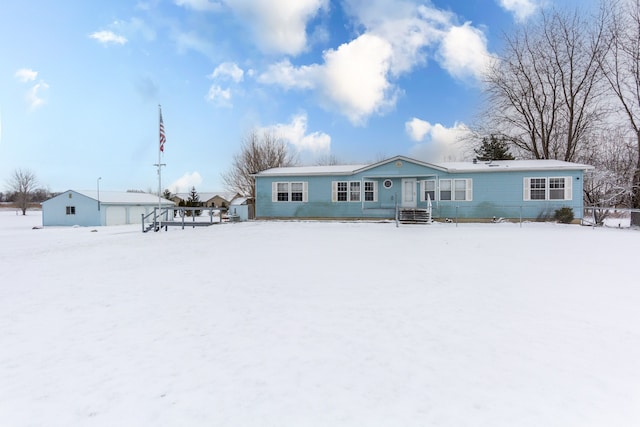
x=493 y=148
x=194 y=201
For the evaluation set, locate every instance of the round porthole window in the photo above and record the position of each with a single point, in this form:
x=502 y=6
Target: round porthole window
x=387 y=183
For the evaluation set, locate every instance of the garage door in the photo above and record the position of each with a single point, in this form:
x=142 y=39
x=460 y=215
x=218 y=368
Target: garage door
x=135 y=214
x=116 y=215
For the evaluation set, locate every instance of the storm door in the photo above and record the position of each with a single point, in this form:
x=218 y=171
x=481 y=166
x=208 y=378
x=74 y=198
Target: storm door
x=409 y=193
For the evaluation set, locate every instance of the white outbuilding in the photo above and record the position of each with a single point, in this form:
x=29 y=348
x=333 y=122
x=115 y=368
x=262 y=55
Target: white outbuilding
x=90 y=208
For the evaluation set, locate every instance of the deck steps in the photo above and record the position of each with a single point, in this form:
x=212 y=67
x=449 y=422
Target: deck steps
x=414 y=216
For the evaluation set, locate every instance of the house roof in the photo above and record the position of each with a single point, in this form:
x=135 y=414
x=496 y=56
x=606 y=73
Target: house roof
x=450 y=167
x=512 y=165
x=124 y=197
x=312 y=170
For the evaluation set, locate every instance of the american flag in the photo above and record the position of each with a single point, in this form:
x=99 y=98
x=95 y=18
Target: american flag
x=163 y=138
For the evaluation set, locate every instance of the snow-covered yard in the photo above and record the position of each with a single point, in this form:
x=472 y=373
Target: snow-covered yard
x=319 y=324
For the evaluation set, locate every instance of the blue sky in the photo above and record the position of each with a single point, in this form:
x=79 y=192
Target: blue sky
x=81 y=81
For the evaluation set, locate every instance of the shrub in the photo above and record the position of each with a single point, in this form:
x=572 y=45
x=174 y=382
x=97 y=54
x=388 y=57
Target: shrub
x=564 y=215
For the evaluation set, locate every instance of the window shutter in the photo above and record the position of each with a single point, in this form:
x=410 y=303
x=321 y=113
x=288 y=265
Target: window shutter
x=527 y=189
x=423 y=189
x=334 y=191
x=375 y=191
x=305 y=191
x=274 y=191
x=568 y=192
x=469 y=188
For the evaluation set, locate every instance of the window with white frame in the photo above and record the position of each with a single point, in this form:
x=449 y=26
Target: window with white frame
x=547 y=188
x=370 y=191
x=71 y=210
x=445 y=189
x=428 y=190
x=350 y=191
x=456 y=189
x=556 y=188
x=289 y=192
x=354 y=191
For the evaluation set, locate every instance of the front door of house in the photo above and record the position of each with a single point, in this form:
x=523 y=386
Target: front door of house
x=409 y=193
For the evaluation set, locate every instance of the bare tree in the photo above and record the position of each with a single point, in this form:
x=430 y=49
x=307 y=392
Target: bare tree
x=328 y=160
x=621 y=68
x=22 y=183
x=609 y=184
x=544 y=90
x=259 y=151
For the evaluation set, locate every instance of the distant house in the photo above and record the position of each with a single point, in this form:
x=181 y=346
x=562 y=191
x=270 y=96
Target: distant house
x=220 y=199
x=527 y=189
x=86 y=208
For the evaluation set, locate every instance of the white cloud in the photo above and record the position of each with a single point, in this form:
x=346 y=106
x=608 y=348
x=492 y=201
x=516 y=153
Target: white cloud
x=352 y=79
x=185 y=182
x=108 y=37
x=295 y=133
x=218 y=96
x=279 y=26
x=35 y=95
x=417 y=128
x=357 y=78
x=409 y=28
x=521 y=9
x=463 y=52
x=286 y=75
x=25 y=75
x=228 y=70
x=200 y=5
x=437 y=142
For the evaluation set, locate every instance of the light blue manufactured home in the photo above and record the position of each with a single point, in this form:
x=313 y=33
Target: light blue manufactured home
x=90 y=208
x=527 y=189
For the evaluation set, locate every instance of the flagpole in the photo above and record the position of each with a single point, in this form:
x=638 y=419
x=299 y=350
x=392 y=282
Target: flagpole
x=161 y=141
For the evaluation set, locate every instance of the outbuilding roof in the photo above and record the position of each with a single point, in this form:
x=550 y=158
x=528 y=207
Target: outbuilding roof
x=124 y=197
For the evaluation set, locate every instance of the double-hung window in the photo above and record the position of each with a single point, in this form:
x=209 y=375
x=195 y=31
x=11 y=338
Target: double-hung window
x=370 y=191
x=351 y=191
x=543 y=188
x=289 y=192
x=456 y=189
x=354 y=191
x=428 y=190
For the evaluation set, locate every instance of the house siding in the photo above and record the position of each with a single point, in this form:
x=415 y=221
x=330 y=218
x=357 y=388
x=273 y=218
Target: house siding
x=54 y=210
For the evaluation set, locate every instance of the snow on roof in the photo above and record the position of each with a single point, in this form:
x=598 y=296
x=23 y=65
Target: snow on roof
x=512 y=165
x=312 y=170
x=124 y=197
x=451 y=167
